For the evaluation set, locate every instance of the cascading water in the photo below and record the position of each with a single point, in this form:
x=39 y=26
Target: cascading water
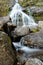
x=19 y=18
x=16 y=1
x=26 y=50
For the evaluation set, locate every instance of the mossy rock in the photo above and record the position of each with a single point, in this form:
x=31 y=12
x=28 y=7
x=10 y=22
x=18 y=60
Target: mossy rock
x=7 y=54
x=34 y=31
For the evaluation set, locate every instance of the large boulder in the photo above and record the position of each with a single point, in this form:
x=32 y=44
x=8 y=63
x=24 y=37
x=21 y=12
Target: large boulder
x=21 y=31
x=18 y=32
x=7 y=53
x=34 y=40
x=22 y=57
x=4 y=20
x=33 y=61
x=36 y=10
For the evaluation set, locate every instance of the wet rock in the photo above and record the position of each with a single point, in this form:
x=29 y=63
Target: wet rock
x=20 y=31
x=33 y=61
x=8 y=27
x=7 y=53
x=22 y=58
x=11 y=26
x=34 y=40
x=34 y=28
x=6 y=24
x=36 y=10
x=3 y=21
x=1 y=25
x=40 y=24
x=39 y=57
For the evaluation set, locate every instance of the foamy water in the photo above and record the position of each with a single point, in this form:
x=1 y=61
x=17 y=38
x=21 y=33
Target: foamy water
x=25 y=49
x=17 y=16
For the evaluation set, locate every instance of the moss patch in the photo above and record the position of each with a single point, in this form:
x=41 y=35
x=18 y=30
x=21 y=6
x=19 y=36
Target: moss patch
x=34 y=31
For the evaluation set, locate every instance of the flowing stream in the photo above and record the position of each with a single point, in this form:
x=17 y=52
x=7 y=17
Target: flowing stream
x=26 y=50
x=19 y=18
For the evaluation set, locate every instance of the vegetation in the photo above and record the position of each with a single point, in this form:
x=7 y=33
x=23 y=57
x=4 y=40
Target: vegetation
x=33 y=31
x=28 y=2
x=4 y=7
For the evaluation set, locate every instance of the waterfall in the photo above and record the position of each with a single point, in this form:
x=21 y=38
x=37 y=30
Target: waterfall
x=17 y=16
x=16 y=1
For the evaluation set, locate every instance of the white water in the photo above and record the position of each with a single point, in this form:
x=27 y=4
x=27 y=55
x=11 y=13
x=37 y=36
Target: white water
x=16 y=7
x=25 y=49
x=18 y=17
x=16 y=1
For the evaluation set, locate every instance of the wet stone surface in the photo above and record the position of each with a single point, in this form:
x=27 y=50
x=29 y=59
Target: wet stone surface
x=7 y=53
x=33 y=61
x=34 y=40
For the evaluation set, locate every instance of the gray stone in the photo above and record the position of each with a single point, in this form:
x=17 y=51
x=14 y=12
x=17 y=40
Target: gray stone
x=36 y=10
x=34 y=40
x=3 y=20
x=40 y=24
x=33 y=61
x=7 y=54
x=20 y=31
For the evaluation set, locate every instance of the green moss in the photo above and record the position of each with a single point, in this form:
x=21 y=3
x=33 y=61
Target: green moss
x=33 y=31
x=9 y=40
